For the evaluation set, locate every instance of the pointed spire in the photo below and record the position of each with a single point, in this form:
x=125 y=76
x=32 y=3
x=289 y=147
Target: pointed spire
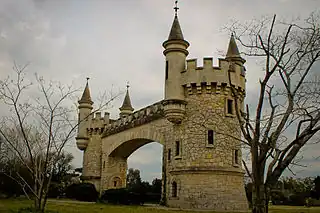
x=233 y=50
x=86 y=97
x=176 y=32
x=126 y=102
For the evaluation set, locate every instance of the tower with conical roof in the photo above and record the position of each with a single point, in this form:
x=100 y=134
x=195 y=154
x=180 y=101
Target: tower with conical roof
x=85 y=107
x=126 y=108
x=175 y=52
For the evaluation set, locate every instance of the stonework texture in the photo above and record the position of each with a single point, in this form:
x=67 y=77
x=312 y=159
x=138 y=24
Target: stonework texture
x=197 y=125
x=207 y=175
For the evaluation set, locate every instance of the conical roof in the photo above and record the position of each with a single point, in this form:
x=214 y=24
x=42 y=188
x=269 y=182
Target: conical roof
x=233 y=51
x=176 y=32
x=86 y=97
x=126 y=105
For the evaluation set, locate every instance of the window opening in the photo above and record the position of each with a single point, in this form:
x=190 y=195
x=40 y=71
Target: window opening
x=169 y=154
x=236 y=156
x=167 y=69
x=174 y=189
x=210 y=137
x=230 y=106
x=177 y=148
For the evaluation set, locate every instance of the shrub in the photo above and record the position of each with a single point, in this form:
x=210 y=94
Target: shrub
x=122 y=196
x=152 y=197
x=277 y=197
x=82 y=192
x=55 y=190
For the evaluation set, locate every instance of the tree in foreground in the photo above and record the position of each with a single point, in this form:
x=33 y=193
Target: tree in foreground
x=286 y=116
x=39 y=123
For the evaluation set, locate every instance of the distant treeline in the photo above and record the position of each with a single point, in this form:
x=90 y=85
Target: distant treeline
x=293 y=191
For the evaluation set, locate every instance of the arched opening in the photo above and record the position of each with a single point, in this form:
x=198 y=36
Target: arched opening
x=174 y=189
x=145 y=158
x=148 y=159
x=116 y=182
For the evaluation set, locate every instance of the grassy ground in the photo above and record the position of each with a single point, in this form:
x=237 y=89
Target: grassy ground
x=63 y=206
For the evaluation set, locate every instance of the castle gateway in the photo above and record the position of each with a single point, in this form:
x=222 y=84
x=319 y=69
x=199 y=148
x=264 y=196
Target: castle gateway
x=195 y=123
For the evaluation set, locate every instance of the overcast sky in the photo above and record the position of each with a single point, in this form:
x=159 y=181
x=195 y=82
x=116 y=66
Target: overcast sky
x=115 y=41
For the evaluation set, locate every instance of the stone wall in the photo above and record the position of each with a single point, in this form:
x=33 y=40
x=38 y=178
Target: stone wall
x=91 y=171
x=221 y=191
x=207 y=175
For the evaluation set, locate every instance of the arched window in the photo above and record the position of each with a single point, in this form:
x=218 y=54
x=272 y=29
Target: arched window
x=174 y=189
x=116 y=182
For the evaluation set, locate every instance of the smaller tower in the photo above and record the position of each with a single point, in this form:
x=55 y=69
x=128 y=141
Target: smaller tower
x=126 y=108
x=175 y=53
x=84 y=118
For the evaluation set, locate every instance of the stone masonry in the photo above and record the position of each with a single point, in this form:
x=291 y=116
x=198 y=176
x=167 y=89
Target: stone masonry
x=196 y=123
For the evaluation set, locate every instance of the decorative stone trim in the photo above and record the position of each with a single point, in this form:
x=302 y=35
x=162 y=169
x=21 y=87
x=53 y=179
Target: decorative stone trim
x=206 y=169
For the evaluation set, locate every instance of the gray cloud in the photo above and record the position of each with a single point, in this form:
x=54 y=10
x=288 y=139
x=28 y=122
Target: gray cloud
x=118 y=41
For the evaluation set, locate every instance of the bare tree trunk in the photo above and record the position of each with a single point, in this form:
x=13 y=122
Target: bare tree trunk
x=259 y=203
x=258 y=187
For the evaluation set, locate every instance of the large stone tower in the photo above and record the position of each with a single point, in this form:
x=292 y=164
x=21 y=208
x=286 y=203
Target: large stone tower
x=203 y=166
x=195 y=122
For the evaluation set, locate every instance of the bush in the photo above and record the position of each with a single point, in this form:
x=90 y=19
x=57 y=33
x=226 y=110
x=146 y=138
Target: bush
x=297 y=199
x=312 y=202
x=122 y=196
x=82 y=192
x=152 y=197
x=278 y=198
x=55 y=190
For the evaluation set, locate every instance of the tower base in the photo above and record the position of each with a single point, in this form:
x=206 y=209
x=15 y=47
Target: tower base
x=218 y=191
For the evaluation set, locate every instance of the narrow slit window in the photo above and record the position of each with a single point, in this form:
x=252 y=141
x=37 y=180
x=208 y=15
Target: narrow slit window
x=230 y=106
x=236 y=156
x=210 y=137
x=115 y=183
x=174 y=189
x=169 y=154
x=167 y=69
x=104 y=164
x=177 y=148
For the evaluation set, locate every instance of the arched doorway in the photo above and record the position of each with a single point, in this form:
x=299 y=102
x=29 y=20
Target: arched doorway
x=148 y=160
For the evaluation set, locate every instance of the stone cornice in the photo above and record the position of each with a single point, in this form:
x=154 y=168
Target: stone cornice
x=206 y=169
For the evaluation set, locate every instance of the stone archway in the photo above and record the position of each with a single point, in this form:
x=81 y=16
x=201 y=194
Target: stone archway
x=117 y=148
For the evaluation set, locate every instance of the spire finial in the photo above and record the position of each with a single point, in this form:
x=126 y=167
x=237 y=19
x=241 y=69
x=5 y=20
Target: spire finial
x=86 y=97
x=176 y=8
x=128 y=85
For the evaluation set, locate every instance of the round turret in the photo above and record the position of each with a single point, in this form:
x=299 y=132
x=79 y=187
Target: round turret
x=175 y=53
x=85 y=107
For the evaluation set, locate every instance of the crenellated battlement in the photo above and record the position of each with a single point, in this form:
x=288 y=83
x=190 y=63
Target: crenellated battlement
x=212 y=76
x=212 y=88
x=140 y=117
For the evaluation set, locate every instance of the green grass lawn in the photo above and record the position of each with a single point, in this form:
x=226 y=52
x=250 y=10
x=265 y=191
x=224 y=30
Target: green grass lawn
x=65 y=206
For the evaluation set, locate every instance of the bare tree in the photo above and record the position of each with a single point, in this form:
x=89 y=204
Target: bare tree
x=41 y=121
x=287 y=114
